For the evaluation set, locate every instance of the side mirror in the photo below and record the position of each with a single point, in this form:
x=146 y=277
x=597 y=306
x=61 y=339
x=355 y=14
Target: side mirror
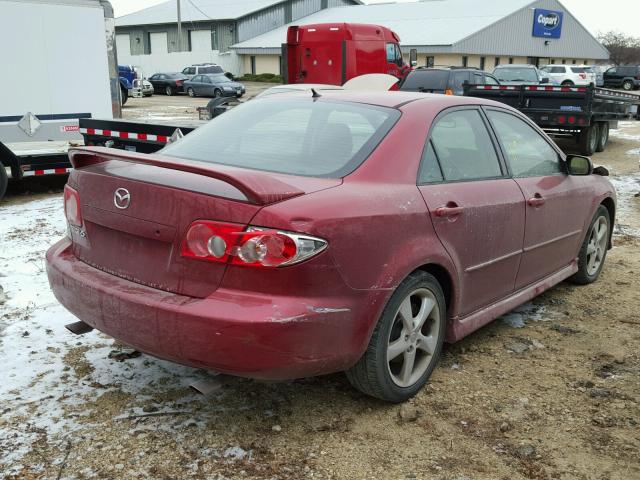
x=579 y=165
x=544 y=80
x=413 y=57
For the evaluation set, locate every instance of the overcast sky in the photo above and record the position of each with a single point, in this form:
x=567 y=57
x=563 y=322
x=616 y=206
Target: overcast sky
x=596 y=15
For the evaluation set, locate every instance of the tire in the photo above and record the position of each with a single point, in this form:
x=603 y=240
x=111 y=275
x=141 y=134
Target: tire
x=168 y=91
x=4 y=181
x=603 y=136
x=567 y=83
x=374 y=375
x=217 y=93
x=191 y=92
x=124 y=96
x=627 y=85
x=589 y=272
x=588 y=140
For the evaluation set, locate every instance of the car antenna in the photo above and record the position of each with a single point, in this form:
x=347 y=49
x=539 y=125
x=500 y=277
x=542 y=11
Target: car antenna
x=315 y=94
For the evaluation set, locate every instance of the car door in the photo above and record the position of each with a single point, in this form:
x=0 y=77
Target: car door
x=556 y=203
x=196 y=84
x=477 y=211
x=612 y=77
x=207 y=86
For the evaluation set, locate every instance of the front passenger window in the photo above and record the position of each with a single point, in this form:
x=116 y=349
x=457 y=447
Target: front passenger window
x=464 y=148
x=529 y=154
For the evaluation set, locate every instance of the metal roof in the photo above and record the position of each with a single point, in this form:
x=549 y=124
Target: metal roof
x=431 y=22
x=195 y=11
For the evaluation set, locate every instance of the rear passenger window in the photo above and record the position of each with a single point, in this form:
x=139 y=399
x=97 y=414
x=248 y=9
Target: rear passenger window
x=429 y=168
x=528 y=153
x=459 y=78
x=464 y=148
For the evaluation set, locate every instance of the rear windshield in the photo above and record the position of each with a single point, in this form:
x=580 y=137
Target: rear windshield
x=294 y=136
x=212 y=69
x=516 y=74
x=426 y=80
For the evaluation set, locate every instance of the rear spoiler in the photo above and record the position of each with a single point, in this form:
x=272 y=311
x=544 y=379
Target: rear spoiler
x=260 y=188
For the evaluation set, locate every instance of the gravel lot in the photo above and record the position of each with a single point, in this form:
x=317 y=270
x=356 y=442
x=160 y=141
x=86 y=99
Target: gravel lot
x=550 y=391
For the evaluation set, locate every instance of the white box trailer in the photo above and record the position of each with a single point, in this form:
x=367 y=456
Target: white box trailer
x=57 y=65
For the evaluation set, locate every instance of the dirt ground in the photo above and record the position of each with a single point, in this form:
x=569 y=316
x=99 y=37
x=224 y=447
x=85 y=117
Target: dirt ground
x=550 y=391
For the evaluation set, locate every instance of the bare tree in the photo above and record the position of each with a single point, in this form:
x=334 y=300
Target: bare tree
x=624 y=49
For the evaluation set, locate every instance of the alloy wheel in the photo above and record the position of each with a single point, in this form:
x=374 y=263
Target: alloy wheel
x=597 y=246
x=413 y=337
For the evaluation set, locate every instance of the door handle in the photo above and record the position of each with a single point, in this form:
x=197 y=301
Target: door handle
x=450 y=210
x=536 y=200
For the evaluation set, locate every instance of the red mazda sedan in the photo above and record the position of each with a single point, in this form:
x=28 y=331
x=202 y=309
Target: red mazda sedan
x=299 y=235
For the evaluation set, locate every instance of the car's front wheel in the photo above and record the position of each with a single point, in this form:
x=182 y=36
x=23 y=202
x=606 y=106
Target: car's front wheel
x=168 y=90
x=406 y=343
x=217 y=93
x=627 y=85
x=594 y=248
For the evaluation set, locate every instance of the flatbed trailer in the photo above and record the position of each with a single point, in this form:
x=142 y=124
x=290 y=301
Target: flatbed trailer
x=583 y=113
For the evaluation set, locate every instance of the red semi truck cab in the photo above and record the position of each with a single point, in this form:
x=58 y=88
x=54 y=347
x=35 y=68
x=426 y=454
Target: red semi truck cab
x=333 y=53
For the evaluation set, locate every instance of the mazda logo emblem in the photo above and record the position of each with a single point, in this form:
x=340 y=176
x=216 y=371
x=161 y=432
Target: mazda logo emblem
x=122 y=198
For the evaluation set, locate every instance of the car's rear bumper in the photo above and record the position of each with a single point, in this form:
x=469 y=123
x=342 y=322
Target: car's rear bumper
x=239 y=333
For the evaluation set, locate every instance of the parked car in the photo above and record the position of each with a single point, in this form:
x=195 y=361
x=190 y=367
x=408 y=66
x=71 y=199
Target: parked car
x=147 y=88
x=168 y=83
x=285 y=232
x=598 y=71
x=626 y=76
x=217 y=85
x=201 y=68
x=445 y=80
x=570 y=75
x=514 y=74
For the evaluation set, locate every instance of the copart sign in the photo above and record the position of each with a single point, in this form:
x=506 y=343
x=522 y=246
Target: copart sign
x=547 y=23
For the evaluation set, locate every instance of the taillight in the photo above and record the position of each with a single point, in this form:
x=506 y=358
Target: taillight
x=256 y=247
x=179 y=82
x=72 y=206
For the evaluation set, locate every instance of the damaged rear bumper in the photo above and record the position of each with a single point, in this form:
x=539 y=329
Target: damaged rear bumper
x=238 y=333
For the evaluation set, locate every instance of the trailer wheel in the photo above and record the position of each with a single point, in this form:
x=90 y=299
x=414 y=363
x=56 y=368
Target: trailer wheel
x=588 y=140
x=4 y=181
x=603 y=136
x=124 y=95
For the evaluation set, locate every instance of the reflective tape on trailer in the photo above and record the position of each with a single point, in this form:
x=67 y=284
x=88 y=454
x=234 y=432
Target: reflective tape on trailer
x=126 y=135
x=496 y=87
x=49 y=171
x=536 y=88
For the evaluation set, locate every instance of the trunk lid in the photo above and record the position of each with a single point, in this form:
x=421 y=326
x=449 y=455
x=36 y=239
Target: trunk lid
x=136 y=233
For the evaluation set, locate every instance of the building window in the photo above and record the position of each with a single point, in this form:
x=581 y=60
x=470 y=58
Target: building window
x=586 y=62
x=189 y=44
x=564 y=61
x=510 y=60
x=465 y=61
x=482 y=61
x=430 y=61
x=496 y=62
x=147 y=43
x=553 y=60
x=253 y=64
x=214 y=38
x=574 y=61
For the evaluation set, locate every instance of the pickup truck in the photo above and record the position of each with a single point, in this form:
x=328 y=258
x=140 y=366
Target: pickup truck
x=583 y=113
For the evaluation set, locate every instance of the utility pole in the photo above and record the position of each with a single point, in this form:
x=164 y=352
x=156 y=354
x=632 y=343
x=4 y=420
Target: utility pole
x=179 y=28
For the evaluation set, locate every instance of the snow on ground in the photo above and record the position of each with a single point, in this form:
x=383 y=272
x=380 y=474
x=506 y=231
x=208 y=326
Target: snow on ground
x=37 y=386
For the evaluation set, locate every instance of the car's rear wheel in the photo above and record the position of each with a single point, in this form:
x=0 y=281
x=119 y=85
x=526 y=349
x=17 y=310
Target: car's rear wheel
x=168 y=90
x=588 y=140
x=406 y=343
x=603 y=136
x=217 y=93
x=594 y=248
x=567 y=83
x=191 y=92
x=627 y=85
